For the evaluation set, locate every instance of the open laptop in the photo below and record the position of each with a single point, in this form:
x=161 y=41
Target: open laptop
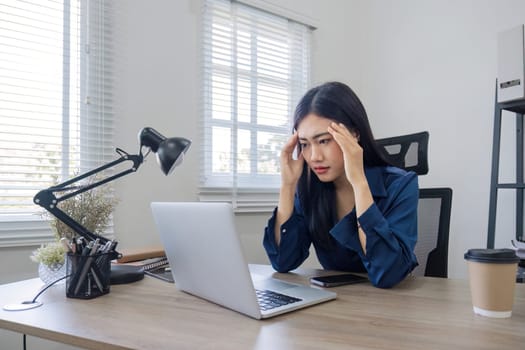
x=206 y=259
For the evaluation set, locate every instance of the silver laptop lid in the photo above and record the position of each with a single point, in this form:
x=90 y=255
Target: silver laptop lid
x=205 y=253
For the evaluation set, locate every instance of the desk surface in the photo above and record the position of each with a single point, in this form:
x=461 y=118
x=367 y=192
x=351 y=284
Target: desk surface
x=430 y=313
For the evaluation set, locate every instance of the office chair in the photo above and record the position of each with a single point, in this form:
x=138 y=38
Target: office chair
x=410 y=152
x=433 y=226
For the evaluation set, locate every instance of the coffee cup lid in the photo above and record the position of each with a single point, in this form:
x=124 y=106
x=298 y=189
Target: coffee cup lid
x=497 y=256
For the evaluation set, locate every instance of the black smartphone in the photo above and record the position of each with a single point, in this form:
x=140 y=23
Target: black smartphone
x=337 y=280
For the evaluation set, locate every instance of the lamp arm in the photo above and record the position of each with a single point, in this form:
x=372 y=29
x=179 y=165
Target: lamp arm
x=48 y=200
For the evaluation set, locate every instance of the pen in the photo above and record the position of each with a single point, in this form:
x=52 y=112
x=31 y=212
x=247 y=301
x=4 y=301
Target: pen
x=88 y=292
x=106 y=250
x=87 y=264
x=65 y=244
x=105 y=247
x=80 y=260
x=97 y=279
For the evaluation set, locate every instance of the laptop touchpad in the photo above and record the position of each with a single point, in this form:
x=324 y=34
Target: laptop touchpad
x=273 y=284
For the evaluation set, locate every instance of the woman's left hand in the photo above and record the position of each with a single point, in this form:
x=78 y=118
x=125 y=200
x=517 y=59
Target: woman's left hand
x=352 y=152
x=355 y=172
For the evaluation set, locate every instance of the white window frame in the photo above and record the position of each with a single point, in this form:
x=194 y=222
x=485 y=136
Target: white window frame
x=96 y=118
x=254 y=191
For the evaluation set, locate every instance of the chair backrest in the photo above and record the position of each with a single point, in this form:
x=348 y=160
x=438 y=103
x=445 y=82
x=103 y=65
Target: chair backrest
x=431 y=250
x=409 y=152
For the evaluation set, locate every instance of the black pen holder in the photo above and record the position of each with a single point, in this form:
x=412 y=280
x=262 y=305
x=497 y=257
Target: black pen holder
x=88 y=275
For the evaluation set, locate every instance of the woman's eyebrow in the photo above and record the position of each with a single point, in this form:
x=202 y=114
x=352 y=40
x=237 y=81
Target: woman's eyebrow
x=316 y=136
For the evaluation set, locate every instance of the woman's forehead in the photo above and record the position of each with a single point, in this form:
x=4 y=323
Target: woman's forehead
x=312 y=125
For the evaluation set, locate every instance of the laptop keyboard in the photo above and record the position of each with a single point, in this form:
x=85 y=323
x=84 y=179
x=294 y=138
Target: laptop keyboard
x=269 y=300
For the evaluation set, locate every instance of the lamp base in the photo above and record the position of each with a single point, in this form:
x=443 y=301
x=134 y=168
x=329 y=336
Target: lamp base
x=122 y=274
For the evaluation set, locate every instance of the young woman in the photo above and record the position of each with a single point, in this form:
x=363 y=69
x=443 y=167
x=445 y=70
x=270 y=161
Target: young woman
x=340 y=194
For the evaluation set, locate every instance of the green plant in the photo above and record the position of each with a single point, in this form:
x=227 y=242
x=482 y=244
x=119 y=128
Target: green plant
x=51 y=254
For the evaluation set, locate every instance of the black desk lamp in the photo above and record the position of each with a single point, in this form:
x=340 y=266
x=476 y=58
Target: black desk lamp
x=170 y=153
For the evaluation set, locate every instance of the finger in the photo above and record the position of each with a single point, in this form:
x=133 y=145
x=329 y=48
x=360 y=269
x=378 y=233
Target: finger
x=332 y=129
x=343 y=130
x=337 y=131
x=291 y=143
x=340 y=127
x=335 y=134
x=352 y=132
x=300 y=156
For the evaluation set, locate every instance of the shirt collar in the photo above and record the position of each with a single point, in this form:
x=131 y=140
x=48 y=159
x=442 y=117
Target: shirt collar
x=374 y=176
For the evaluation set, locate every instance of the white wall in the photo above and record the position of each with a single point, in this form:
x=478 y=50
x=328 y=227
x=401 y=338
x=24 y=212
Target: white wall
x=432 y=65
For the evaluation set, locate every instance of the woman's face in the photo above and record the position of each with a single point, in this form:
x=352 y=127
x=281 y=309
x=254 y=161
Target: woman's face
x=320 y=151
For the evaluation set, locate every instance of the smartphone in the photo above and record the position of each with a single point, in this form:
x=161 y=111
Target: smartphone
x=337 y=280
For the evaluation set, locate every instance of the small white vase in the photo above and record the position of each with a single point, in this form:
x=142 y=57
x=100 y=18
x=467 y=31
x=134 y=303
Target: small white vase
x=50 y=273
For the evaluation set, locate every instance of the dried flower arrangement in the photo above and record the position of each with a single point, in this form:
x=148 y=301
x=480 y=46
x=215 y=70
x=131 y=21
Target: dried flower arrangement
x=92 y=209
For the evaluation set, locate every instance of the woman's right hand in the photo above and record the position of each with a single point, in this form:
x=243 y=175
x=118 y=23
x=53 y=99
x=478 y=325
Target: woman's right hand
x=291 y=169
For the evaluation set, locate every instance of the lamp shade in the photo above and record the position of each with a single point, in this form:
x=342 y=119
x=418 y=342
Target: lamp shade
x=170 y=151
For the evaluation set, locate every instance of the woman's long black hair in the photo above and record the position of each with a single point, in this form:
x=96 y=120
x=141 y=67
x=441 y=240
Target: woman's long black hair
x=335 y=101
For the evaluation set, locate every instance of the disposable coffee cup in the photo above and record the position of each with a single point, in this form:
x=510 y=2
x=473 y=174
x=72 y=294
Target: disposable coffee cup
x=492 y=275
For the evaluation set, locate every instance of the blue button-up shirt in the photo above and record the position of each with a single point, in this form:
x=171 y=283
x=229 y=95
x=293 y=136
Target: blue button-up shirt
x=390 y=225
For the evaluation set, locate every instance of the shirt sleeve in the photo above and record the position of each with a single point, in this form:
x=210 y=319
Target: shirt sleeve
x=391 y=234
x=294 y=246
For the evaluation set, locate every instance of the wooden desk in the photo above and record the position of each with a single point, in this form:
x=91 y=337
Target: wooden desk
x=420 y=313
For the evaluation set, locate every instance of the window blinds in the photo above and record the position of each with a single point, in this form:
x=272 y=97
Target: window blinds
x=55 y=104
x=255 y=68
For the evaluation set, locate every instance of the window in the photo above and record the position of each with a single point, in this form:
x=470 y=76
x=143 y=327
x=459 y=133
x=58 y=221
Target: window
x=256 y=67
x=55 y=104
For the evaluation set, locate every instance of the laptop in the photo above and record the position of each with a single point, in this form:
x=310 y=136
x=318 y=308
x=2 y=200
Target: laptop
x=206 y=259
